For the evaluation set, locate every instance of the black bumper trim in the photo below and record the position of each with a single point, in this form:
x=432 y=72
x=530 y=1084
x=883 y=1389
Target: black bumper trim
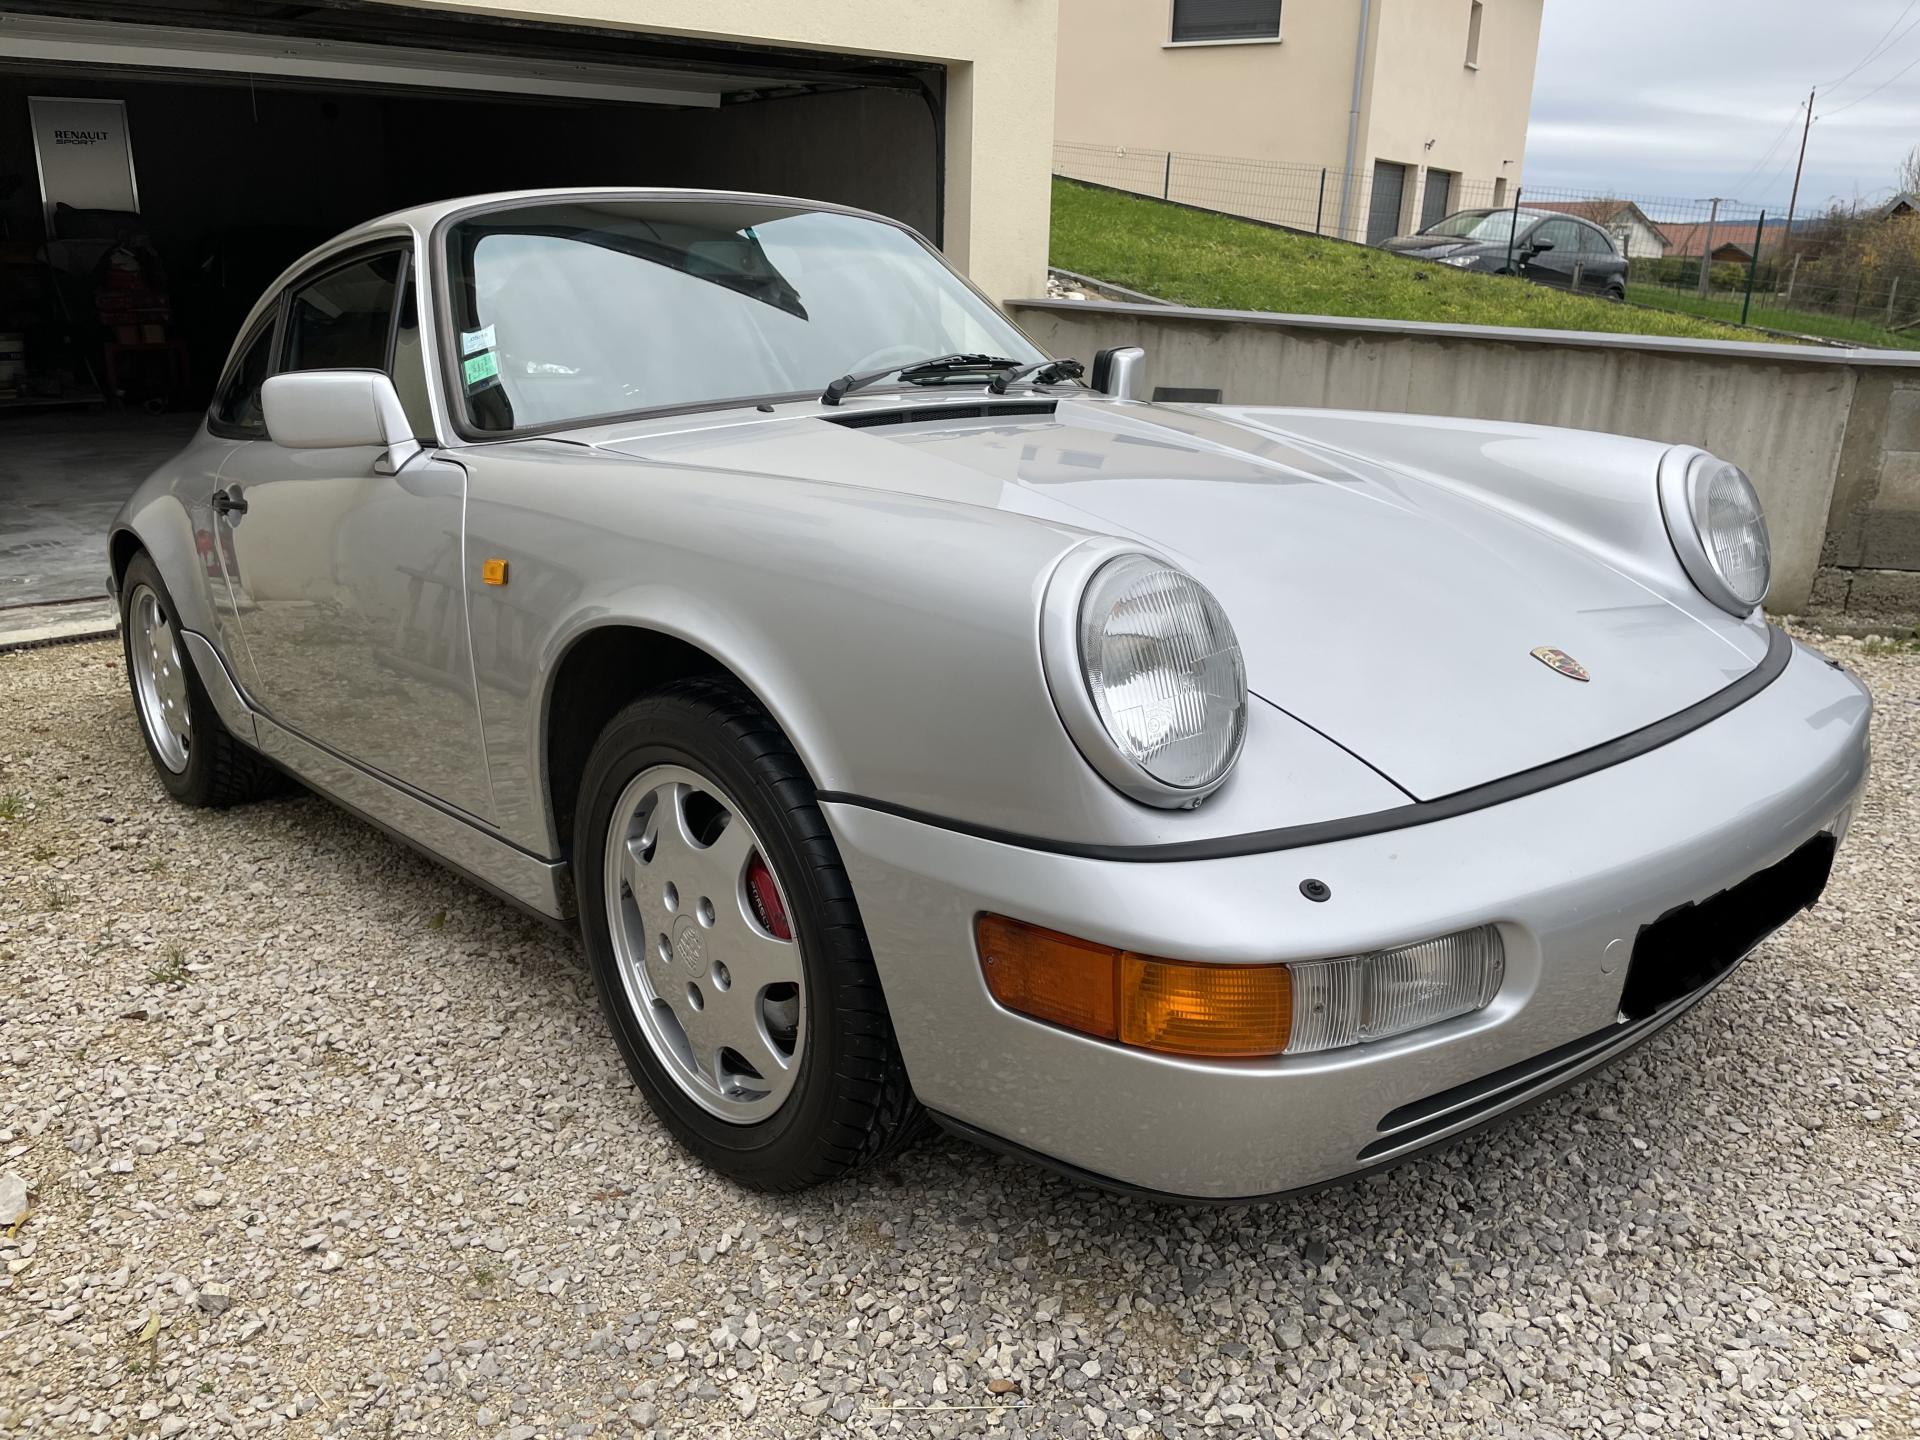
x=1550 y=1080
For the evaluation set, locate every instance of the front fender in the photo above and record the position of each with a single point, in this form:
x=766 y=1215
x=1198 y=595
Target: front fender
x=1595 y=490
x=894 y=637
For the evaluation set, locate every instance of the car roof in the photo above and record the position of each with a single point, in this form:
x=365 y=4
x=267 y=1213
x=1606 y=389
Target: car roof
x=425 y=217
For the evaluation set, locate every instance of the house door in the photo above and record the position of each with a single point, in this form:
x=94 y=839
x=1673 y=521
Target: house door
x=1436 y=202
x=1383 y=210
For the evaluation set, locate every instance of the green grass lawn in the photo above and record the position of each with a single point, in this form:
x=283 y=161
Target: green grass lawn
x=1194 y=258
x=1723 y=306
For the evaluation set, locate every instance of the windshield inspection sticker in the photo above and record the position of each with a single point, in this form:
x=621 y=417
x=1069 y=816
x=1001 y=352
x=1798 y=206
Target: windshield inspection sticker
x=482 y=367
x=472 y=340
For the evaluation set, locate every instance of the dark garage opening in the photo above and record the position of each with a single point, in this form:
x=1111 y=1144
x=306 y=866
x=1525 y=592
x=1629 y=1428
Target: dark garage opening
x=118 y=327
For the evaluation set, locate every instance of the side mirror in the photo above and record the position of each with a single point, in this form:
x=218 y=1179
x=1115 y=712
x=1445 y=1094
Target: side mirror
x=1538 y=247
x=1117 y=372
x=339 y=410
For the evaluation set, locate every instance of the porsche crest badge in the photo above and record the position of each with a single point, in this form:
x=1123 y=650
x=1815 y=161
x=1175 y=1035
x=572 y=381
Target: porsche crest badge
x=1560 y=661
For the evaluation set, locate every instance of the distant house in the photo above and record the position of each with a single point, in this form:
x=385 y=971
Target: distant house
x=1732 y=241
x=1413 y=110
x=1907 y=203
x=1637 y=236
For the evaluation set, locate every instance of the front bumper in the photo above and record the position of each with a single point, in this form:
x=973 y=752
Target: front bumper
x=1570 y=875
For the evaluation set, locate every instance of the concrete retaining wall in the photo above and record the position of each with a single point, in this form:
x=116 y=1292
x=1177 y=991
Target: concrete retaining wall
x=1830 y=437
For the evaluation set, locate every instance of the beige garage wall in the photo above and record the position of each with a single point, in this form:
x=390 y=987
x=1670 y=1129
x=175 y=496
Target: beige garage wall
x=1421 y=89
x=999 y=59
x=1123 y=83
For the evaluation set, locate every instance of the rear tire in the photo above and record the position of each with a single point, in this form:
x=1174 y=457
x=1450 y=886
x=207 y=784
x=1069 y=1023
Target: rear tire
x=195 y=756
x=697 y=842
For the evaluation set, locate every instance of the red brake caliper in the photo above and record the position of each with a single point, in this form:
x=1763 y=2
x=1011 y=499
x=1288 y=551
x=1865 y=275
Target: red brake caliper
x=765 y=896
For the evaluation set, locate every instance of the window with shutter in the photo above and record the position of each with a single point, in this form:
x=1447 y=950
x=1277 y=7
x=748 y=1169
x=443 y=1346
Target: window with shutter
x=1225 y=20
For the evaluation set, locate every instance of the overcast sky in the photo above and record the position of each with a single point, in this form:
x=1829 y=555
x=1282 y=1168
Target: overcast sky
x=1692 y=98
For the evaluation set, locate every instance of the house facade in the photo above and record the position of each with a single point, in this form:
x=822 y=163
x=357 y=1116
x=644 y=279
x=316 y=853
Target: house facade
x=1361 y=118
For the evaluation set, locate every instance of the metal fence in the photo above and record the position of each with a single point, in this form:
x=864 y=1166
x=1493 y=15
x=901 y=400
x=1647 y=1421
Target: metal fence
x=1826 y=279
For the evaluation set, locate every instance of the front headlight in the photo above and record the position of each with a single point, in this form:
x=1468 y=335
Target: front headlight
x=1713 y=518
x=1147 y=674
x=1460 y=260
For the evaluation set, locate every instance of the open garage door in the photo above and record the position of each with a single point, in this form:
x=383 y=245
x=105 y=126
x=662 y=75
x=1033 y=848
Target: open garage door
x=255 y=132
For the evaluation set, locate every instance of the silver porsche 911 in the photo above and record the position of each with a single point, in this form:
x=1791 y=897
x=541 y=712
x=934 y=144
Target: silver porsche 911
x=1205 y=800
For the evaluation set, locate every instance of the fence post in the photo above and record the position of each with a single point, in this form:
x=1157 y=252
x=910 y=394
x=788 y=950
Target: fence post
x=1320 y=208
x=1579 y=274
x=1517 y=192
x=1166 y=185
x=1893 y=293
x=1753 y=264
x=1793 y=274
x=1859 y=284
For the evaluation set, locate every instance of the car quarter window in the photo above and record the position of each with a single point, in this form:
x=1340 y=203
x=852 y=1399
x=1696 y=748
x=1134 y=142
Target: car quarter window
x=343 y=320
x=236 y=409
x=1594 y=242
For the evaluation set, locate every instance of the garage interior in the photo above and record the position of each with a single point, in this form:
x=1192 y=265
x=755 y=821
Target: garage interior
x=255 y=132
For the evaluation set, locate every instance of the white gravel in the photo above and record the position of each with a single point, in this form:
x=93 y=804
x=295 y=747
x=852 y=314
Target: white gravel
x=321 y=1139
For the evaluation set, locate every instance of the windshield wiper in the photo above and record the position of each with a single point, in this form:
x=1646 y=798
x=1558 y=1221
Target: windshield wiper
x=936 y=365
x=1044 y=372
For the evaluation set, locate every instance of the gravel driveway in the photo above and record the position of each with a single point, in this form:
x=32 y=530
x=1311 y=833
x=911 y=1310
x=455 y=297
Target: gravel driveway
x=321 y=1139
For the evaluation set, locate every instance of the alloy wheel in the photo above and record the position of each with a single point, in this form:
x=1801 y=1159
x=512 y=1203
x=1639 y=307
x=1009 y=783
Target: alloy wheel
x=159 y=679
x=706 y=951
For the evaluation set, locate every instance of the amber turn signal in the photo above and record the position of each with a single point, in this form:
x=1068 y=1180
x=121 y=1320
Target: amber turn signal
x=1216 y=1011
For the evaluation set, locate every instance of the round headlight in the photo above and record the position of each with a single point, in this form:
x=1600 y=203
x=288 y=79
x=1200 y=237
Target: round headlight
x=1714 y=519
x=1163 y=670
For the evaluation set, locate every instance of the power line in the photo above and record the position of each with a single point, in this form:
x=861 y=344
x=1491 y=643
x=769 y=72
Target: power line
x=1876 y=89
x=1785 y=130
x=1873 y=53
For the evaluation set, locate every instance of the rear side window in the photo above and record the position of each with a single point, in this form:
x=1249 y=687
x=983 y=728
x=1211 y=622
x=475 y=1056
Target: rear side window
x=236 y=409
x=343 y=320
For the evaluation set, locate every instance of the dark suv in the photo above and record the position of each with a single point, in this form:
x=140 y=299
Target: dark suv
x=1536 y=245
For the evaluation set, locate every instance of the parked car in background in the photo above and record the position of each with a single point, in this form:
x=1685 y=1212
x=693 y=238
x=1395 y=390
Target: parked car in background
x=1206 y=799
x=1545 y=248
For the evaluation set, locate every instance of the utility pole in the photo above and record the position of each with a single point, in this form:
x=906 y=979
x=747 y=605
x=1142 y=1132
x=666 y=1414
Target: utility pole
x=1795 y=201
x=1706 y=244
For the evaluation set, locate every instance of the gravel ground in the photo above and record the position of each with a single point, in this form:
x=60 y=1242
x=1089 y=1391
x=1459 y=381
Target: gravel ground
x=321 y=1139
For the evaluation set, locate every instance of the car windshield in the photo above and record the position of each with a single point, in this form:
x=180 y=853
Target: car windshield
x=1491 y=226
x=571 y=310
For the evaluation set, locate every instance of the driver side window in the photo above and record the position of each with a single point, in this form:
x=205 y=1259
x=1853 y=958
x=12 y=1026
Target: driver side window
x=1563 y=235
x=341 y=321
x=363 y=315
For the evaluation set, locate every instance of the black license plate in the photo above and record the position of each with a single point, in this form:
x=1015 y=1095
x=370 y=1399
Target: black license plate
x=1695 y=944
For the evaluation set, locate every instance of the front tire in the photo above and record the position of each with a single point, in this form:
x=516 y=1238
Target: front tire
x=726 y=946
x=195 y=756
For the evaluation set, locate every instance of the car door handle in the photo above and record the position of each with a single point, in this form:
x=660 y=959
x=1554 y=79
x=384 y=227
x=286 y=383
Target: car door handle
x=229 y=502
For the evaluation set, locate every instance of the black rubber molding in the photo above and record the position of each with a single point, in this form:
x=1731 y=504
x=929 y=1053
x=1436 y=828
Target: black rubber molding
x=1401 y=817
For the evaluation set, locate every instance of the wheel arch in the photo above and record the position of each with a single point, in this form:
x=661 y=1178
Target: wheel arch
x=122 y=545
x=600 y=670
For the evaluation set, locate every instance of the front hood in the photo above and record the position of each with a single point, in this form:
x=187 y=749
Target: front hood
x=1429 y=247
x=1395 y=615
